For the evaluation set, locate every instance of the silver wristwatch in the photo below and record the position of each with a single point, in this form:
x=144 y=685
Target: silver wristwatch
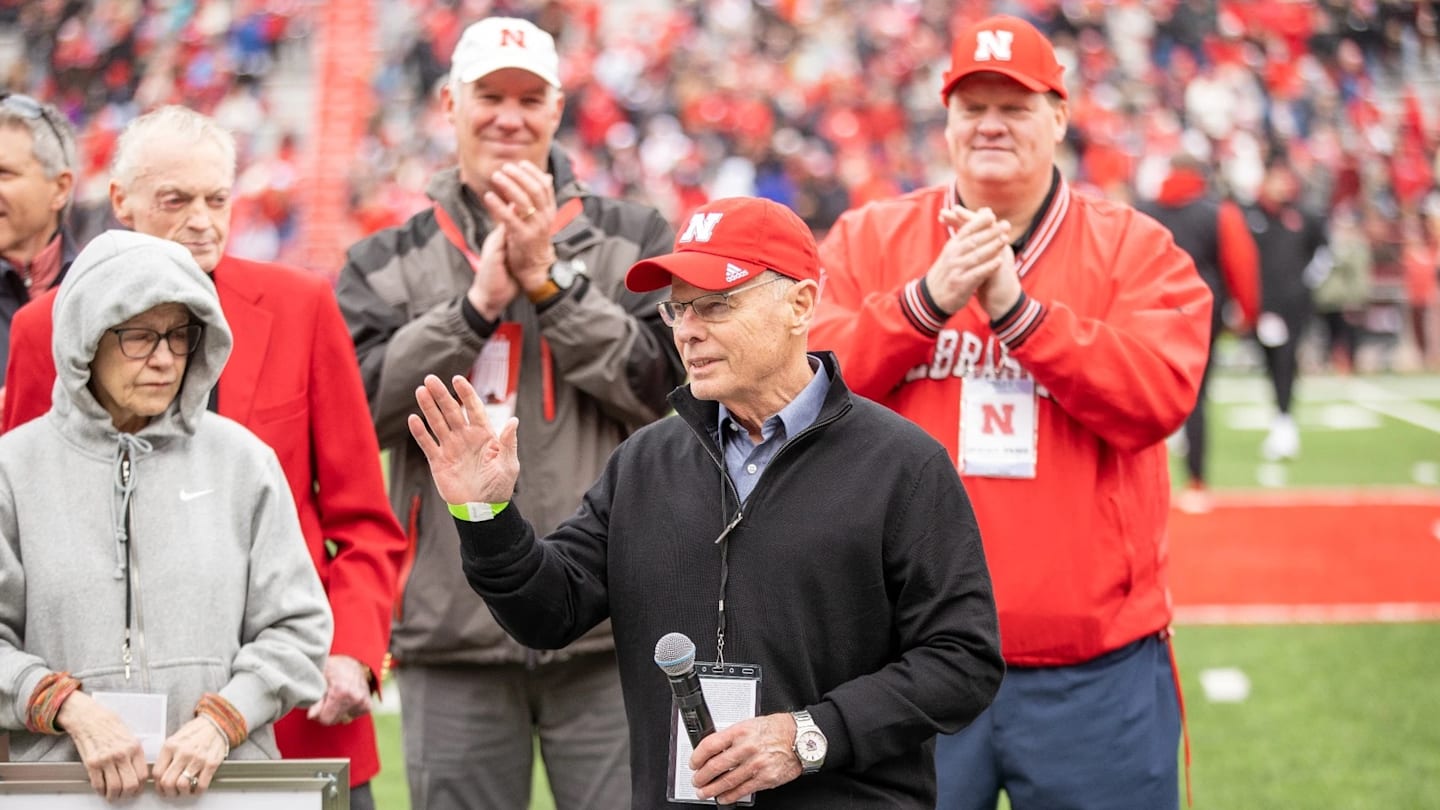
x=810 y=743
x=565 y=272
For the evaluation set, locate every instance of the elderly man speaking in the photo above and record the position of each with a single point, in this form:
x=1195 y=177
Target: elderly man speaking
x=820 y=548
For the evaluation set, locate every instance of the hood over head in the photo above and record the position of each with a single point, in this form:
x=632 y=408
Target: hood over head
x=119 y=275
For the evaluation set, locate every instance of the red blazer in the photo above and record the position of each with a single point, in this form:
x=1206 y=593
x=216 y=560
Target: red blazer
x=293 y=380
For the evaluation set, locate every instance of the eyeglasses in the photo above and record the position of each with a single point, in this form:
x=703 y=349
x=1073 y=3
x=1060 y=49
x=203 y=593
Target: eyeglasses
x=711 y=308
x=138 y=343
x=27 y=107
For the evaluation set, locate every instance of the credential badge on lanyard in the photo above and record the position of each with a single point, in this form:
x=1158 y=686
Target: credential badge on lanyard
x=997 y=427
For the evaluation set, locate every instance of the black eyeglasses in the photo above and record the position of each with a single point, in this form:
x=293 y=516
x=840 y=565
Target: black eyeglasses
x=712 y=307
x=138 y=343
x=27 y=107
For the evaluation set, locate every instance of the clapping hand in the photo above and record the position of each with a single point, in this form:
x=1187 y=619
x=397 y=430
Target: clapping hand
x=978 y=249
x=469 y=461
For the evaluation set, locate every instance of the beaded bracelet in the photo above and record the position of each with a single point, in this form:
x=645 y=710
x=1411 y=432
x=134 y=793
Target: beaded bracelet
x=46 y=700
x=225 y=717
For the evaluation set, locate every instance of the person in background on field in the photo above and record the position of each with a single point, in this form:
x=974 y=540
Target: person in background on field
x=1294 y=259
x=1213 y=232
x=174 y=616
x=1050 y=340
x=1421 y=262
x=37 y=185
x=292 y=380
x=1341 y=298
x=802 y=535
x=514 y=276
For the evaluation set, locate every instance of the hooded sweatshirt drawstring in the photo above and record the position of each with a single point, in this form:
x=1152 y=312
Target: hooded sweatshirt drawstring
x=129 y=447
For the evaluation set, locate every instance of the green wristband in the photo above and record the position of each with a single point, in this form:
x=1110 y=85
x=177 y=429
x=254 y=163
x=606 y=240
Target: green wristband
x=475 y=511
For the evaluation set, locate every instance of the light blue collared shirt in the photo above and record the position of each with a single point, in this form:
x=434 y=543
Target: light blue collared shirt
x=745 y=460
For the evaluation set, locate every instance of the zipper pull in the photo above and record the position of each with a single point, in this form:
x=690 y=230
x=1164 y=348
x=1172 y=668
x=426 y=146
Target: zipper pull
x=125 y=655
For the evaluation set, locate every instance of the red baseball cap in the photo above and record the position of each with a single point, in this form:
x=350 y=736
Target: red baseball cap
x=728 y=242
x=1008 y=46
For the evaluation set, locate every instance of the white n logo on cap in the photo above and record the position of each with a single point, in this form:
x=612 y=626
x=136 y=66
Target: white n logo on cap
x=509 y=34
x=993 y=45
x=701 y=228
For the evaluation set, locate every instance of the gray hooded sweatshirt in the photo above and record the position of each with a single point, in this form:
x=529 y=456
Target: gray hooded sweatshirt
x=224 y=596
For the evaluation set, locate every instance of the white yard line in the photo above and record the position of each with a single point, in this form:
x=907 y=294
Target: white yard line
x=1405 y=410
x=1384 y=612
x=1312 y=389
x=1338 y=496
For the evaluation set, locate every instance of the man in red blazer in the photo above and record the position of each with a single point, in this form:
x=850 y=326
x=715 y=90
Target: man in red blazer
x=293 y=380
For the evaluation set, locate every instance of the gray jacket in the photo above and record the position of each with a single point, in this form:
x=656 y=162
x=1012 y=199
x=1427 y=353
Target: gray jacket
x=613 y=362
x=225 y=598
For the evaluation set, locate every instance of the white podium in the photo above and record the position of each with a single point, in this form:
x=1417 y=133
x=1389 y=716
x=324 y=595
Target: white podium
x=288 y=784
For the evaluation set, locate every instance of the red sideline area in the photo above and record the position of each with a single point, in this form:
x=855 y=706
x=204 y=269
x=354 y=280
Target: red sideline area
x=1320 y=556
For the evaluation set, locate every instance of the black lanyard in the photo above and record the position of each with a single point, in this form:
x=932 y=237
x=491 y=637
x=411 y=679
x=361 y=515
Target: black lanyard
x=724 y=578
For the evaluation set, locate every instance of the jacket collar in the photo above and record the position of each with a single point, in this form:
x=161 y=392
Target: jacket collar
x=703 y=415
x=253 y=325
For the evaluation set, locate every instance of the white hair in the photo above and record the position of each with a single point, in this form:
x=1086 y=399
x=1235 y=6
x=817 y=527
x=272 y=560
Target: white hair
x=166 y=121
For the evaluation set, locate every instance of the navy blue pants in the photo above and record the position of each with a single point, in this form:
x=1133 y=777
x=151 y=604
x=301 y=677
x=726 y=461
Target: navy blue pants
x=1102 y=735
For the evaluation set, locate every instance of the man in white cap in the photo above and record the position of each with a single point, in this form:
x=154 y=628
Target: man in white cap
x=1051 y=341
x=545 y=328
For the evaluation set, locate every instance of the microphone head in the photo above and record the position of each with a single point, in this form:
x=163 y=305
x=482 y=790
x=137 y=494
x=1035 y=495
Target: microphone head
x=675 y=653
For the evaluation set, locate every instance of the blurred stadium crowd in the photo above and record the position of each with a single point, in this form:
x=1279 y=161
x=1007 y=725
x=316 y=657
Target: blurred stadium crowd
x=819 y=104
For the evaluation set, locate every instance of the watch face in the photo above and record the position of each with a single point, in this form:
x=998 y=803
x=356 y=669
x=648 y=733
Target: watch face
x=564 y=271
x=810 y=746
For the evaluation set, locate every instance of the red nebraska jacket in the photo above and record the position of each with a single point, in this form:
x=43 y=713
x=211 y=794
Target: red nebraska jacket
x=293 y=380
x=1115 y=335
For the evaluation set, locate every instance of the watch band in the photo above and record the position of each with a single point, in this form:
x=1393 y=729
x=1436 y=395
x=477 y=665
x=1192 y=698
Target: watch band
x=544 y=292
x=806 y=734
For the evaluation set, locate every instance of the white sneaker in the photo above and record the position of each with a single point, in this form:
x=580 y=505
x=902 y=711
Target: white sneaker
x=1283 y=442
x=1194 y=500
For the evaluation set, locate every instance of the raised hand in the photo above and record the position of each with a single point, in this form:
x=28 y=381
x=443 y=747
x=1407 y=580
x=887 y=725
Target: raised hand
x=522 y=198
x=493 y=288
x=976 y=251
x=469 y=461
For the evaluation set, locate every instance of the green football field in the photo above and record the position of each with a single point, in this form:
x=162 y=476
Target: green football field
x=1287 y=716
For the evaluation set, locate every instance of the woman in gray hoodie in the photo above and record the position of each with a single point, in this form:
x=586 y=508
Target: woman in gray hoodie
x=157 y=602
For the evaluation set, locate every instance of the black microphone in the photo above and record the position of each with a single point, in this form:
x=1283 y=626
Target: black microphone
x=675 y=654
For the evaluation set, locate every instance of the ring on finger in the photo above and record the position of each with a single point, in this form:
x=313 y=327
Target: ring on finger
x=191 y=778
x=529 y=213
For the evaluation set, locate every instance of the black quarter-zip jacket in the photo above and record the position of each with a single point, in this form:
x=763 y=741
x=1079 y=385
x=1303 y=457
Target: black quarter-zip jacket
x=856 y=581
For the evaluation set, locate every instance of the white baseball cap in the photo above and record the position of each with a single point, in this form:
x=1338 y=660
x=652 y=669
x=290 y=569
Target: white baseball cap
x=495 y=43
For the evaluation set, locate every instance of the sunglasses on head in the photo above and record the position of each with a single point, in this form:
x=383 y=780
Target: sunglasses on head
x=27 y=107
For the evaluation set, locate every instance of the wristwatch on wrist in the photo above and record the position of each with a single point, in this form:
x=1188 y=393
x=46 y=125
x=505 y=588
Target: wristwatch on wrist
x=563 y=274
x=810 y=743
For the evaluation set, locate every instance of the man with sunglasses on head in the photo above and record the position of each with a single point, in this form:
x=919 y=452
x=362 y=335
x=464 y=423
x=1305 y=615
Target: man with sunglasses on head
x=544 y=325
x=818 y=548
x=37 y=184
x=292 y=381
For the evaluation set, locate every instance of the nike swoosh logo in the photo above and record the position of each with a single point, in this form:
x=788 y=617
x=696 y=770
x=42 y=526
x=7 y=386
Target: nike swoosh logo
x=190 y=496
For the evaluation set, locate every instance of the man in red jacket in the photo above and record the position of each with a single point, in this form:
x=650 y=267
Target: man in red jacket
x=1214 y=233
x=293 y=380
x=1051 y=341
